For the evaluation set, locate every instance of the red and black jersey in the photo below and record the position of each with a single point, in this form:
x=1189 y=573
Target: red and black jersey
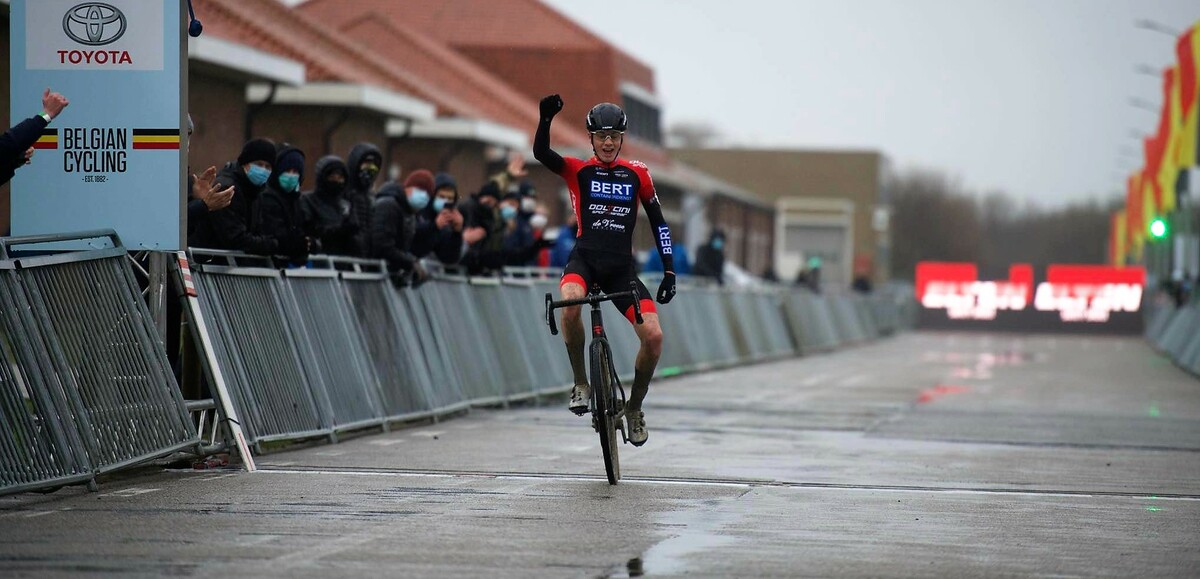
x=605 y=200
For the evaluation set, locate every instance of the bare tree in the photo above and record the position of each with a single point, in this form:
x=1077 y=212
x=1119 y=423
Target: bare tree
x=935 y=220
x=691 y=135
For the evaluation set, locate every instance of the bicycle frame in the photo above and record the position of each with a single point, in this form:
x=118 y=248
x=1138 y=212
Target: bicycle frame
x=606 y=410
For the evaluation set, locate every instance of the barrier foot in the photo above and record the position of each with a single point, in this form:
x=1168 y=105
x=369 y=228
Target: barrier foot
x=93 y=486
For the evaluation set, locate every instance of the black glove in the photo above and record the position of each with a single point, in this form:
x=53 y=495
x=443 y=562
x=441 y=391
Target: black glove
x=550 y=106
x=293 y=243
x=666 y=289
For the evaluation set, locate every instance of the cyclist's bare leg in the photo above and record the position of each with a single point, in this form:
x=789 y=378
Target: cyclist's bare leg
x=572 y=329
x=650 y=334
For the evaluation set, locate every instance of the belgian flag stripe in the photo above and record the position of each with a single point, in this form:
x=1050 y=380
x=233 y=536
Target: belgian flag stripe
x=155 y=138
x=144 y=139
x=47 y=140
x=156 y=133
x=140 y=145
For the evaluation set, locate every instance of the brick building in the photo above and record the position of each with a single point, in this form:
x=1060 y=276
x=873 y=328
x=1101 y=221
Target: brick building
x=451 y=86
x=535 y=50
x=829 y=204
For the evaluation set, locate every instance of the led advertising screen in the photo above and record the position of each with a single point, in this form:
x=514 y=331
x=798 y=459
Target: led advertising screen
x=1064 y=298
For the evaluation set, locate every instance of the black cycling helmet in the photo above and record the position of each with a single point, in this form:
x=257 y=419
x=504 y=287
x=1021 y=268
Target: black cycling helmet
x=606 y=117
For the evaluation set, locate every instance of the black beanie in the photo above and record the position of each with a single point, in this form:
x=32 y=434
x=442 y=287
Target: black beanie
x=257 y=150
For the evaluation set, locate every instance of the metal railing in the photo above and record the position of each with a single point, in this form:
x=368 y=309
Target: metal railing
x=85 y=386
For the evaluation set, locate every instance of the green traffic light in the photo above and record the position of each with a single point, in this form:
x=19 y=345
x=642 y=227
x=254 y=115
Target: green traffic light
x=1158 y=228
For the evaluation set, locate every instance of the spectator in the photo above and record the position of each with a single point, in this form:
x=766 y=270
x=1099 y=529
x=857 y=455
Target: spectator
x=814 y=274
x=363 y=165
x=203 y=196
x=710 y=260
x=564 y=241
x=279 y=209
x=440 y=224
x=327 y=214
x=484 y=231
x=234 y=227
x=16 y=144
x=511 y=179
x=518 y=234
x=680 y=261
x=802 y=277
x=861 y=284
x=537 y=223
x=394 y=223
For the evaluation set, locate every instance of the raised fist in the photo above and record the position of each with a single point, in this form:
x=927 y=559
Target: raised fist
x=550 y=106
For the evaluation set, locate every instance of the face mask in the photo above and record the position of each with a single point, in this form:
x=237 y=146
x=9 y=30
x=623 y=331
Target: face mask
x=718 y=243
x=538 y=221
x=418 y=199
x=367 y=176
x=258 y=175
x=440 y=204
x=332 y=186
x=528 y=204
x=289 y=182
x=508 y=212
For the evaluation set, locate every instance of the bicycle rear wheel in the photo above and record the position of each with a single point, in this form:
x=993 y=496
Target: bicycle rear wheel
x=603 y=410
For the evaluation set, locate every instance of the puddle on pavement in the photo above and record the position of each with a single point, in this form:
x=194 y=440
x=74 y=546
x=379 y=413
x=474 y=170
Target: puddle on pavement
x=692 y=531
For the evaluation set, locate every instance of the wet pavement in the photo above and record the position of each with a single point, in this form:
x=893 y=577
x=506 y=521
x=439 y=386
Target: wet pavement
x=927 y=455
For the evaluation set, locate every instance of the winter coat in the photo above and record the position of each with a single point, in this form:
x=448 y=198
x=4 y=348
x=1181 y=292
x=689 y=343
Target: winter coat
x=360 y=195
x=393 y=226
x=327 y=214
x=445 y=243
x=236 y=226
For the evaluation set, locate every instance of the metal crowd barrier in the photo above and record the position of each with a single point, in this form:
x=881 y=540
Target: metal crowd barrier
x=1176 y=333
x=85 y=386
x=308 y=353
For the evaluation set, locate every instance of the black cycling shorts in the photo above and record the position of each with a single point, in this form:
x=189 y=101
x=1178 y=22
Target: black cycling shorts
x=612 y=275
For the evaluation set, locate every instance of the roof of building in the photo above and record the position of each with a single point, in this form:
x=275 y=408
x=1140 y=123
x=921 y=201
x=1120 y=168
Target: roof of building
x=527 y=23
x=369 y=48
x=443 y=69
x=775 y=173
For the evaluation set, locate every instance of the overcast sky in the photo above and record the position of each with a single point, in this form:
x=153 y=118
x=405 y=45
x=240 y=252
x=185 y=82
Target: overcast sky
x=1028 y=96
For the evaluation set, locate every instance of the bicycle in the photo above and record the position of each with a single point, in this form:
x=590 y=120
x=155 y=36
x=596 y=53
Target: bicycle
x=607 y=410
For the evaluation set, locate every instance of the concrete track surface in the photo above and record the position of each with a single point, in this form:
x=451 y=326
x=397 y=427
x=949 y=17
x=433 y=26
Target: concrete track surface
x=926 y=455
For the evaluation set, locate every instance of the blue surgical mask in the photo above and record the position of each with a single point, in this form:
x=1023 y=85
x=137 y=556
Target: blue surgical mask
x=508 y=212
x=289 y=182
x=418 y=199
x=258 y=175
x=718 y=243
x=439 y=204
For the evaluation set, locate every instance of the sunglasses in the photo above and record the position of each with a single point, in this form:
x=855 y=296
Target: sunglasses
x=613 y=136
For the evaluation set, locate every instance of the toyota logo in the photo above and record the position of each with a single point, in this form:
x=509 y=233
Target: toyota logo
x=94 y=23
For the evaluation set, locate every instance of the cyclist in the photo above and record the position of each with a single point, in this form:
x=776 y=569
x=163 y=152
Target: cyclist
x=605 y=192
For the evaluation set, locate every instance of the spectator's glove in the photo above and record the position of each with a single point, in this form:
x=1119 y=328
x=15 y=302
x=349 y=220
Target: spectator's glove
x=550 y=106
x=666 y=289
x=293 y=244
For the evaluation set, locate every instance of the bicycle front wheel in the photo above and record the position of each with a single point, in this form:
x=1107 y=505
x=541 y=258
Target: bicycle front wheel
x=604 y=411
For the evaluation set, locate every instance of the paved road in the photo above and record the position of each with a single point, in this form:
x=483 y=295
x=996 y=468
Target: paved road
x=947 y=455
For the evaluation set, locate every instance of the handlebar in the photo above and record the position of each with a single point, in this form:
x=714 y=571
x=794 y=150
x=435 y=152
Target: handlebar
x=593 y=299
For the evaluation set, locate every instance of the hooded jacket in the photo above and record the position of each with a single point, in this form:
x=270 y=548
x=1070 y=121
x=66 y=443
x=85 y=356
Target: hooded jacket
x=236 y=226
x=279 y=214
x=393 y=226
x=360 y=195
x=445 y=243
x=710 y=260
x=327 y=214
